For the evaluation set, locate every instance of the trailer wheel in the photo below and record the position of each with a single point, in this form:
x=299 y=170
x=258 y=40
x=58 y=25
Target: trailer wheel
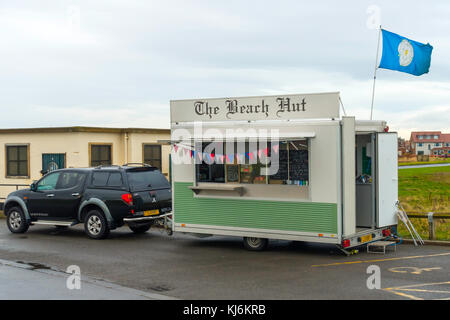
x=255 y=244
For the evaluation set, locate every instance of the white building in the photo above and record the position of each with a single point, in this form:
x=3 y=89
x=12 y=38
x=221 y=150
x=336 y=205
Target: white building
x=423 y=142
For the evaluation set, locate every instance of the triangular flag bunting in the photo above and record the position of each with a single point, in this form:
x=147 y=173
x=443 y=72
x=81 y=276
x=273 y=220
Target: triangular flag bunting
x=275 y=147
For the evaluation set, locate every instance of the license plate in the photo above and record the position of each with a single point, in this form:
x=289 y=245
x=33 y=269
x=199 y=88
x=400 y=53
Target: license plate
x=151 y=212
x=366 y=238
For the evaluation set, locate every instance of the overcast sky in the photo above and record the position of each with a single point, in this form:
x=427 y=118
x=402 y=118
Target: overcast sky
x=118 y=63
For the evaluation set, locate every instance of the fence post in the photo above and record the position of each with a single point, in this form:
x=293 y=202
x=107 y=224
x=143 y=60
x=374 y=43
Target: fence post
x=431 y=226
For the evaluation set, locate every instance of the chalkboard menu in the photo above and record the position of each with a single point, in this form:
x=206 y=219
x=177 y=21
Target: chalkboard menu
x=232 y=172
x=282 y=173
x=298 y=165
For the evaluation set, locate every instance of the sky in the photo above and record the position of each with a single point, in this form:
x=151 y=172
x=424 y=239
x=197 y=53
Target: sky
x=119 y=63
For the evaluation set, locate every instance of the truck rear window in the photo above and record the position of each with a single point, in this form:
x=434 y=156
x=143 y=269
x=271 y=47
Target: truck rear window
x=107 y=179
x=146 y=179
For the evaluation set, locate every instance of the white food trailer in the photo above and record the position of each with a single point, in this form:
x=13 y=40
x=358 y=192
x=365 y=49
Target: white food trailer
x=282 y=167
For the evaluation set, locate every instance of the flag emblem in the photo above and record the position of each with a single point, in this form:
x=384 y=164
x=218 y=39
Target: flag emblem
x=405 y=53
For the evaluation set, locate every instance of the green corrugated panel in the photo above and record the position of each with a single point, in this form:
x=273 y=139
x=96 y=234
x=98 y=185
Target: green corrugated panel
x=261 y=214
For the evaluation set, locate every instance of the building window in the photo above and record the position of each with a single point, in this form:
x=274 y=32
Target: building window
x=436 y=137
x=428 y=137
x=17 y=161
x=420 y=137
x=420 y=145
x=437 y=144
x=100 y=155
x=152 y=155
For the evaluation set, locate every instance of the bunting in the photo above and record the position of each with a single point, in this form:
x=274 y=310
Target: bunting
x=229 y=157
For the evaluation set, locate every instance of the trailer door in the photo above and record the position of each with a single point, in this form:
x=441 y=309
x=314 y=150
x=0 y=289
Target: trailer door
x=387 y=179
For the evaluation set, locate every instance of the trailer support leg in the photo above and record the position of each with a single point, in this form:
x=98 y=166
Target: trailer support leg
x=346 y=252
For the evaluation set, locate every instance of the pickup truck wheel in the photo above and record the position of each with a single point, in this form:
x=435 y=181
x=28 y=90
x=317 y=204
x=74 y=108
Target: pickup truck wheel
x=16 y=221
x=255 y=244
x=140 y=229
x=95 y=225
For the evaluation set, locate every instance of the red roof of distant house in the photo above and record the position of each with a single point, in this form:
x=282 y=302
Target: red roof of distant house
x=446 y=137
x=442 y=137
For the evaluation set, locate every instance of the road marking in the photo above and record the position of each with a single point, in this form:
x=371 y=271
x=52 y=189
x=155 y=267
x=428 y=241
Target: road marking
x=423 y=290
x=380 y=260
x=403 y=294
x=416 y=270
x=412 y=288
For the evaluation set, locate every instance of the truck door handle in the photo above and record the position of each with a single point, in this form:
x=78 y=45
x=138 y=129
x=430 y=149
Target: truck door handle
x=50 y=195
x=76 y=194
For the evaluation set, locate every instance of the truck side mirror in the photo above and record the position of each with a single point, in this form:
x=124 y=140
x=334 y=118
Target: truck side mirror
x=33 y=186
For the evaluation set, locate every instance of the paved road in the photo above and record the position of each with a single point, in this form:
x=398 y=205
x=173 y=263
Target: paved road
x=424 y=166
x=219 y=268
x=24 y=281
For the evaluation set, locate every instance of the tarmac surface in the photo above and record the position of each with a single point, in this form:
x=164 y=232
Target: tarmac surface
x=29 y=282
x=185 y=267
x=424 y=166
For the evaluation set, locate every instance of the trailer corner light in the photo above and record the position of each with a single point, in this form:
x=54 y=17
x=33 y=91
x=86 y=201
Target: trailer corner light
x=320 y=234
x=386 y=129
x=183 y=225
x=386 y=232
x=346 y=243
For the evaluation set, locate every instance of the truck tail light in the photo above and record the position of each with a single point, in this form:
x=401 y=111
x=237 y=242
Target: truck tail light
x=346 y=243
x=128 y=198
x=386 y=232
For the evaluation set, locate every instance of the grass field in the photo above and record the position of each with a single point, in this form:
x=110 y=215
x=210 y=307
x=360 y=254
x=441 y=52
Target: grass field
x=425 y=190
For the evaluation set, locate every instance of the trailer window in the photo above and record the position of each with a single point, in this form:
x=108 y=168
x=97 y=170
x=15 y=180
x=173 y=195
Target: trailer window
x=253 y=163
x=209 y=169
x=293 y=164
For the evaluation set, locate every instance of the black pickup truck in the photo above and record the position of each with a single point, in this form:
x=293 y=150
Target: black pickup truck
x=103 y=198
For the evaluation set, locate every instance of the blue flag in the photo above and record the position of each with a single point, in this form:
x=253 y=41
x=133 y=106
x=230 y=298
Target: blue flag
x=405 y=55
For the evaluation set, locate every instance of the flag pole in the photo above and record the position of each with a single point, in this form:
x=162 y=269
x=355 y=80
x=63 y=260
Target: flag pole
x=375 y=73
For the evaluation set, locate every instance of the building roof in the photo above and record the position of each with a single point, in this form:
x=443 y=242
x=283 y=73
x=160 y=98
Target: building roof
x=85 y=129
x=446 y=137
x=442 y=137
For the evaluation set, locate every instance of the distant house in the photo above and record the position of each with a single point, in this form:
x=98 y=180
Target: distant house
x=404 y=147
x=431 y=143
